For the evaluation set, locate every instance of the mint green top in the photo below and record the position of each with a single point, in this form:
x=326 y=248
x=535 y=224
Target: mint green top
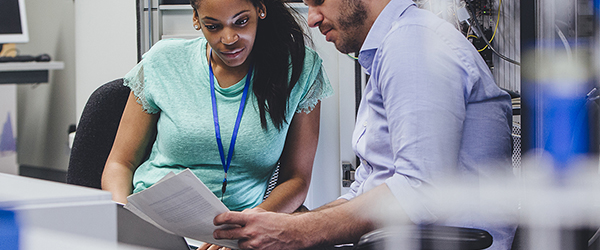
x=173 y=80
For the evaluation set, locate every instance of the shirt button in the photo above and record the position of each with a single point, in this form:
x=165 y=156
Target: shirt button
x=365 y=124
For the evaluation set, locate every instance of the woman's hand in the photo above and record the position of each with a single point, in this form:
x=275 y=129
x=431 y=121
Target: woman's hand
x=208 y=246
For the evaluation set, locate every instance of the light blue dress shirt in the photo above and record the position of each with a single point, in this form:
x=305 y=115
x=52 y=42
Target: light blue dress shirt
x=430 y=111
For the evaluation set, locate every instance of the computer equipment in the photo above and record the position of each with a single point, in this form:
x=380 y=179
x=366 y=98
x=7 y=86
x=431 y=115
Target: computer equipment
x=13 y=22
x=20 y=58
x=43 y=58
x=133 y=230
x=26 y=58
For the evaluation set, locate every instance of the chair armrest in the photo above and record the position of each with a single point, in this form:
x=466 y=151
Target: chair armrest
x=428 y=237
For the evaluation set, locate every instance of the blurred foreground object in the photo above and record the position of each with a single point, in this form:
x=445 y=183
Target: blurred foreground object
x=557 y=92
x=9 y=230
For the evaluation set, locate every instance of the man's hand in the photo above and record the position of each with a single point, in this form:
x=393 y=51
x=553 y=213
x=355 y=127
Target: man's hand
x=340 y=221
x=260 y=229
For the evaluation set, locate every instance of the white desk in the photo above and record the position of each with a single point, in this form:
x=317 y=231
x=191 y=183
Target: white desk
x=27 y=72
x=60 y=207
x=39 y=238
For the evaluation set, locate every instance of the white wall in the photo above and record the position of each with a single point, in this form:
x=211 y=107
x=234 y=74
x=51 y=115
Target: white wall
x=106 y=44
x=96 y=40
x=45 y=110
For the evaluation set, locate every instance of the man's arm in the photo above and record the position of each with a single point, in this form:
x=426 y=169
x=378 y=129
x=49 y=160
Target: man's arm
x=342 y=223
x=331 y=204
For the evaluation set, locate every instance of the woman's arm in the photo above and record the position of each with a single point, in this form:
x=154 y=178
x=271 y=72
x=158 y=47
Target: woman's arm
x=134 y=136
x=296 y=163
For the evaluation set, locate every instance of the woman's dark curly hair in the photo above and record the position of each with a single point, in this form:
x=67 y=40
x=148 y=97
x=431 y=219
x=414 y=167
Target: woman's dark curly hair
x=279 y=38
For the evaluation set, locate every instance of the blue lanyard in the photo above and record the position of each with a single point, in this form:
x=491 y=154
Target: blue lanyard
x=216 y=119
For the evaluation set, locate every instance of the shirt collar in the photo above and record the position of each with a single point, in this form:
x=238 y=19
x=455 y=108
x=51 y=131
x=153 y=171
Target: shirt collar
x=392 y=11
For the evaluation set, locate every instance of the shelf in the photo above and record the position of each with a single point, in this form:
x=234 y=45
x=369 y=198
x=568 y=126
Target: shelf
x=27 y=72
x=175 y=7
x=299 y=5
x=29 y=66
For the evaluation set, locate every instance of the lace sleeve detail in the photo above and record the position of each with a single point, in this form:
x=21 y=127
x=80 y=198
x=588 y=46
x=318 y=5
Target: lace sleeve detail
x=135 y=81
x=319 y=90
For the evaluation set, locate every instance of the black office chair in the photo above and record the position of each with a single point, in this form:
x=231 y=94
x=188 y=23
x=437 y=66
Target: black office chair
x=95 y=133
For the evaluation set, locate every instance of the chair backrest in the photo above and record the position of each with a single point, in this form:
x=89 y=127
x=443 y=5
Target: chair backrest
x=95 y=133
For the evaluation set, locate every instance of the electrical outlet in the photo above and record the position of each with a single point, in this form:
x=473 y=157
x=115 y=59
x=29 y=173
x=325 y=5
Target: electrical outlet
x=348 y=174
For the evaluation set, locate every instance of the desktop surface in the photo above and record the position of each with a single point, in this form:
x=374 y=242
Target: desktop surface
x=36 y=238
x=25 y=191
x=60 y=207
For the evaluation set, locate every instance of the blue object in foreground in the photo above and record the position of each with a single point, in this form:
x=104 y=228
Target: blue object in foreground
x=9 y=230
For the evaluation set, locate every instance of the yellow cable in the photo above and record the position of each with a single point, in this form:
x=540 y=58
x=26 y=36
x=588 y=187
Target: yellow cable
x=353 y=57
x=495 y=29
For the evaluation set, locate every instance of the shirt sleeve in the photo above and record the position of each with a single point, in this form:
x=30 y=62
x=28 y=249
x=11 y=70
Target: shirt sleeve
x=423 y=94
x=318 y=87
x=134 y=79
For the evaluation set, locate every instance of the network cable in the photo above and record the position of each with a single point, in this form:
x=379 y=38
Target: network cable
x=464 y=16
x=496 y=28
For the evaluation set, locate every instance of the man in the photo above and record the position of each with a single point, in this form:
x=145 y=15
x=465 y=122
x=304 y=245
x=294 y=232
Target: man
x=430 y=111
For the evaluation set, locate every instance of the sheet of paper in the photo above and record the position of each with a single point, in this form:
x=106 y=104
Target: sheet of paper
x=141 y=214
x=183 y=205
x=145 y=217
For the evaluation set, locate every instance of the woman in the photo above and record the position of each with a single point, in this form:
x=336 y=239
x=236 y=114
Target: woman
x=250 y=75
